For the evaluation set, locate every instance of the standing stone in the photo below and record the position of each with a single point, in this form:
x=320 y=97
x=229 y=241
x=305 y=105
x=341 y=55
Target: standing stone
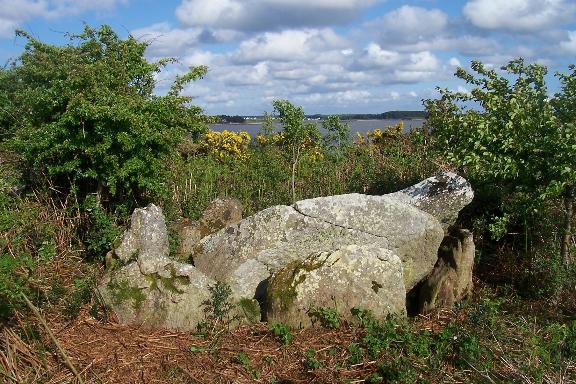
x=146 y=241
x=150 y=289
x=451 y=279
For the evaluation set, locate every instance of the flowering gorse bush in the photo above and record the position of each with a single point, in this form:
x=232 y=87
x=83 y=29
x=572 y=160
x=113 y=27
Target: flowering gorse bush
x=273 y=139
x=226 y=144
x=310 y=146
x=380 y=136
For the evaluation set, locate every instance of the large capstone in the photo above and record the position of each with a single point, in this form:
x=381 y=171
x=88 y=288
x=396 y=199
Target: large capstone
x=246 y=254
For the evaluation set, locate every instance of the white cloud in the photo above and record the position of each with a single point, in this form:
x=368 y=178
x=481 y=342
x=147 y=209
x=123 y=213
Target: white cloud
x=244 y=75
x=165 y=41
x=393 y=66
x=569 y=46
x=422 y=62
x=519 y=15
x=454 y=62
x=376 y=56
x=200 y=58
x=15 y=12
x=289 y=45
x=224 y=97
x=7 y=27
x=417 y=29
x=342 y=97
x=255 y=15
x=468 y=45
x=409 y=24
x=463 y=90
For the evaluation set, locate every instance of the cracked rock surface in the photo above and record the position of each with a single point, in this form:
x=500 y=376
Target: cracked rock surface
x=249 y=252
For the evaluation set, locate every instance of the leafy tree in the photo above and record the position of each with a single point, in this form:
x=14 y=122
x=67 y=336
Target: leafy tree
x=564 y=104
x=338 y=133
x=85 y=116
x=297 y=132
x=508 y=132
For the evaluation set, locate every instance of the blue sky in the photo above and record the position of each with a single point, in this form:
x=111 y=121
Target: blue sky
x=330 y=56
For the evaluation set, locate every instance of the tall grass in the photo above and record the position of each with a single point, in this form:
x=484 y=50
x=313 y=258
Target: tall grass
x=263 y=178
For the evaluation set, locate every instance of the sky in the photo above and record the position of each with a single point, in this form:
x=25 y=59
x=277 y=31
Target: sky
x=328 y=56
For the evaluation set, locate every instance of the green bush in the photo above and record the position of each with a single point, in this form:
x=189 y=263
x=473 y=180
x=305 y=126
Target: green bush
x=510 y=134
x=84 y=115
x=218 y=309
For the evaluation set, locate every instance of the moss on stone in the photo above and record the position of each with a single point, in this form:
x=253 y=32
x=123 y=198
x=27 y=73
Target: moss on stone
x=250 y=309
x=283 y=286
x=169 y=283
x=117 y=242
x=122 y=291
x=112 y=262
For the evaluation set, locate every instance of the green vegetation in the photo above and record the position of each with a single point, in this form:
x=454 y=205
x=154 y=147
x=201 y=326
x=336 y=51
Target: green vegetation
x=85 y=120
x=518 y=140
x=282 y=332
x=296 y=134
x=83 y=140
x=243 y=359
x=123 y=292
x=169 y=283
x=328 y=317
x=310 y=361
x=218 y=309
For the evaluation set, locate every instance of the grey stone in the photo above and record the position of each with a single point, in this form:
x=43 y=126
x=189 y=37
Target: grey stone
x=344 y=251
x=190 y=234
x=146 y=241
x=274 y=237
x=409 y=232
x=219 y=214
x=442 y=196
x=153 y=290
x=364 y=276
x=170 y=298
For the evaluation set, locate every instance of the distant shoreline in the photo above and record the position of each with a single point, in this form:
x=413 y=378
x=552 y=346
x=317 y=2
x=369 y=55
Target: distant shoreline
x=361 y=126
x=257 y=122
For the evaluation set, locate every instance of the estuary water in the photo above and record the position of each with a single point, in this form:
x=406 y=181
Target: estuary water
x=361 y=126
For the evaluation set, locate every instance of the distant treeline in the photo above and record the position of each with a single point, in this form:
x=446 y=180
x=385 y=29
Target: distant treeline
x=404 y=115
x=231 y=119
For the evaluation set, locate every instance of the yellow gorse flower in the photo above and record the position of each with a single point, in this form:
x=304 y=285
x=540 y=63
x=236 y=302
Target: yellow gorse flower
x=378 y=135
x=227 y=144
x=274 y=139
